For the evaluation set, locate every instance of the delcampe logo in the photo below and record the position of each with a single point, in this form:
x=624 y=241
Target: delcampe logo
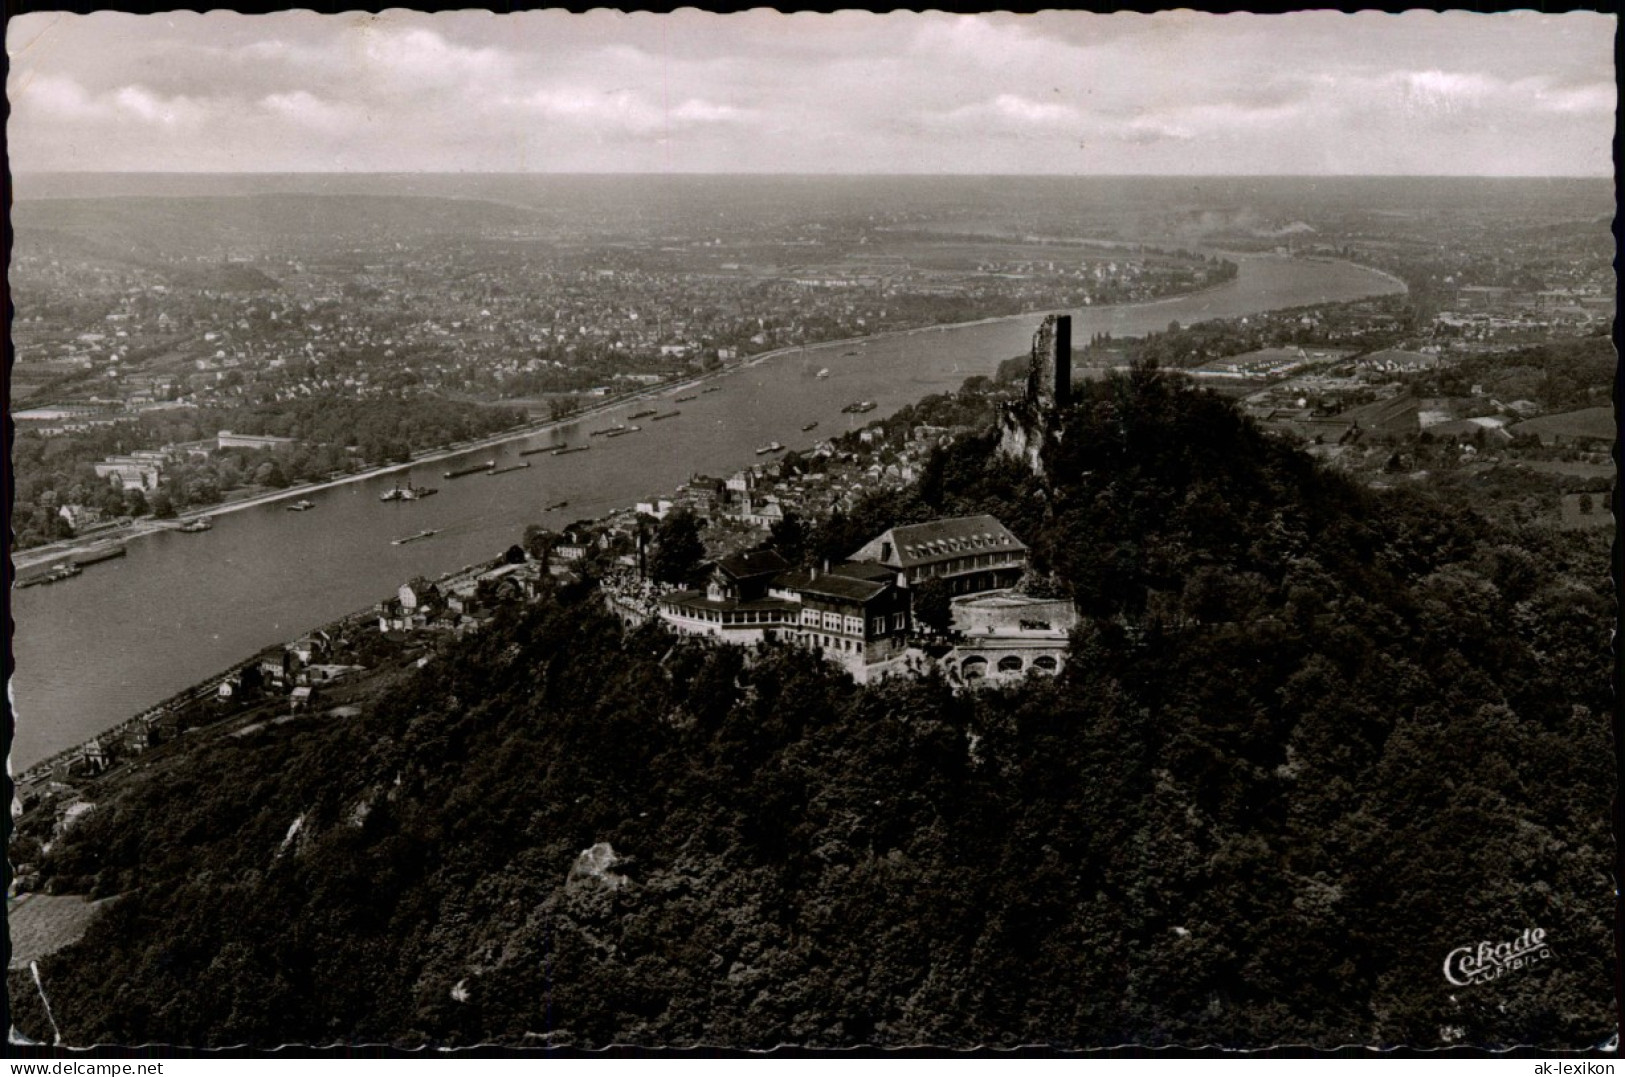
x=1467 y=965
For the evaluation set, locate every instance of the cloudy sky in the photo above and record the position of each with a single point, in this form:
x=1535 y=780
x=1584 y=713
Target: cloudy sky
x=1178 y=93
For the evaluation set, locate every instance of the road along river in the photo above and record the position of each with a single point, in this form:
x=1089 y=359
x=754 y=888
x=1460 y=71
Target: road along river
x=96 y=649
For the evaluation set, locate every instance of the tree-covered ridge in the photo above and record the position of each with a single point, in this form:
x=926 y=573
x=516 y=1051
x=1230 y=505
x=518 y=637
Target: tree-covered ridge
x=1311 y=739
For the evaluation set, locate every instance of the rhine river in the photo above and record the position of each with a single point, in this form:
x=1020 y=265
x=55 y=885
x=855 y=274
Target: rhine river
x=99 y=648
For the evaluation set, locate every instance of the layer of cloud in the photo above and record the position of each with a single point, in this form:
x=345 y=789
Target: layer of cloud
x=1070 y=93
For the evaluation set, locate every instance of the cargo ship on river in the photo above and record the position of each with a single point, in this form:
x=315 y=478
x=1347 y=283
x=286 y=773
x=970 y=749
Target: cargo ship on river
x=406 y=493
x=511 y=467
x=426 y=533
x=66 y=571
x=97 y=554
x=459 y=472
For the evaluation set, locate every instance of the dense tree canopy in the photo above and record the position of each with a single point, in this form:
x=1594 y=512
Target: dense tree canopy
x=678 y=548
x=1310 y=739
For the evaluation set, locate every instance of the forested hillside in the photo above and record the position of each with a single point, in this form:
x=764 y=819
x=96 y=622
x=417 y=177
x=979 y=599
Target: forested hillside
x=1311 y=739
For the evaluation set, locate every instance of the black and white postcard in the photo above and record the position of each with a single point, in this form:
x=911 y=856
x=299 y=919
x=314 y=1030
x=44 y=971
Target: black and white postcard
x=819 y=531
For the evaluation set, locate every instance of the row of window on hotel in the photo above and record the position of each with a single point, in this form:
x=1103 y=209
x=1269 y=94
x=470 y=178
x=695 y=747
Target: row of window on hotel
x=833 y=622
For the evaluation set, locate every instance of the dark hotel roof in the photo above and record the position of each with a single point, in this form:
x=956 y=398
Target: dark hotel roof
x=752 y=563
x=944 y=540
x=831 y=585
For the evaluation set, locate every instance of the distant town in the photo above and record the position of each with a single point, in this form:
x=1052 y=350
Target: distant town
x=127 y=364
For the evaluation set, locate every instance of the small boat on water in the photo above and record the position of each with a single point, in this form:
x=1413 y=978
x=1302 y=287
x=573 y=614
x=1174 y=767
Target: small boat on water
x=556 y=505
x=459 y=472
x=623 y=430
x=825 y=372
x=202 y=523
x=511 y=467
x=301 y=506
x=535 y=451
x=860 y=407
x=426 y=533
x=65 y=571
x=810 y=426
x=712 y=389
x=636 y=415
x=691 y=396
x=667 y=415
x=568 y=451
x=771 y=446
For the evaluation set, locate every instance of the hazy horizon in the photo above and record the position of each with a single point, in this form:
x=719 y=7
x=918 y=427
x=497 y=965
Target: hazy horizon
x=1177 y=93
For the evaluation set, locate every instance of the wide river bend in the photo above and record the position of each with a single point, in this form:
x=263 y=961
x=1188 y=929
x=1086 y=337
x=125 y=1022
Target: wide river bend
x=94 y=650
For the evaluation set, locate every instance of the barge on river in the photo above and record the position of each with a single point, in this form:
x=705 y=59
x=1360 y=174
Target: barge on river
x=425 y=533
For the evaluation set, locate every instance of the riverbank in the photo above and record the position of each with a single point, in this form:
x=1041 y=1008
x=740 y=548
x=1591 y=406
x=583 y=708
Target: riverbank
x=93 y=651
x=45 y=557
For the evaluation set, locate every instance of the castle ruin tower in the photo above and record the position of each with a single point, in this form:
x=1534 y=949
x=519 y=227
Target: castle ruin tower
x=1049 y=378
x=1026 y=425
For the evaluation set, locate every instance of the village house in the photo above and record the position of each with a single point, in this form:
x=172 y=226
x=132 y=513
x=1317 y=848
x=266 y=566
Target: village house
x=319 y=673
x=129 y=473
x=228 y=440
x=761 y=512
x=276 y=669
x=80 y=517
